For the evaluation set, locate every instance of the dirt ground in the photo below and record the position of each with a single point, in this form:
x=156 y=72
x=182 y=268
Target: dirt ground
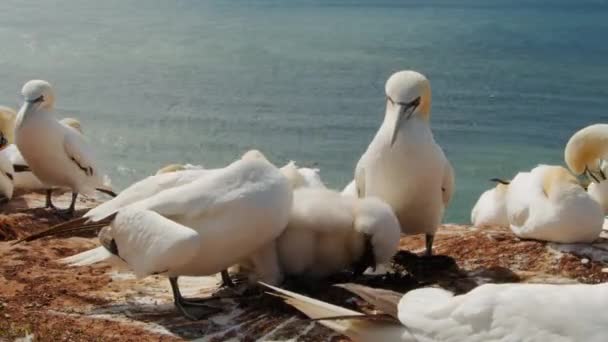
x=53 y=302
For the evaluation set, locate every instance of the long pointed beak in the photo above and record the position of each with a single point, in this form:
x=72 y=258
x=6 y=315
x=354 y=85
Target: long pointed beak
x=397 y=124
x=26 y=107
x=590 y=175
x=402 y=110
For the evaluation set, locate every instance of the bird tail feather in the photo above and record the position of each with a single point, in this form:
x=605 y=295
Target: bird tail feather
x=74 y=226
x=337 y=318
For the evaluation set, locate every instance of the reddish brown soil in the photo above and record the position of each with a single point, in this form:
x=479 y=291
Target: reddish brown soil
x=37 y=294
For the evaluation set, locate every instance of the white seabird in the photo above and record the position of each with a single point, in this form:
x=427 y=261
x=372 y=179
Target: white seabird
x=350 y=189
x=490 y=312
x=491 y=207
x=24 y=178
x=196 y=229
x=549 y=204
x=586 y=153
x=403 y=164
x=56 y=154
x=328 y=233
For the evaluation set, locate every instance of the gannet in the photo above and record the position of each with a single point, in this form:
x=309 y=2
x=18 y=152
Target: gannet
x=56 y=154
x=196 y=229
x=585 y=153
x=491 y=207
x=328 y=233
x=25 y=179
x=403 y=165
x=549 y=204
x=490 y=312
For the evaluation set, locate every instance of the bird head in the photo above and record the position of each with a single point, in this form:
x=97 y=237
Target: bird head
x=585 y=151
x=73 y=123
x=38 y=93
x=408 y=95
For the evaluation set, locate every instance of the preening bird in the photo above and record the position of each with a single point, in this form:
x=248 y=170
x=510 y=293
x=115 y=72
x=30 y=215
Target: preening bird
x=490 y=312
x=57 y=155
x=491 y=207
x=586 y=153
x=403 y=164
x=328 y=233
x=198 y=228
x=549 y=204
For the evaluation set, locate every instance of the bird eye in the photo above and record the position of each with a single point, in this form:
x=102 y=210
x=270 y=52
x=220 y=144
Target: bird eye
x=416 y=102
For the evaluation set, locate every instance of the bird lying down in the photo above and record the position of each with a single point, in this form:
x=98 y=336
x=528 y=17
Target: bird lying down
x=490 y=312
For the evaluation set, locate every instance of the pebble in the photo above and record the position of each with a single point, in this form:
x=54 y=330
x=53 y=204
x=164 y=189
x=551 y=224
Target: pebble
x=584 y=261
x=605 y=270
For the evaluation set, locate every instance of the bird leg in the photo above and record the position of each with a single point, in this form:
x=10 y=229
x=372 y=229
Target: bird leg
x=188 y=308
x=429 y=244
x=226 y=280
x=49 y=202
x=65 y=213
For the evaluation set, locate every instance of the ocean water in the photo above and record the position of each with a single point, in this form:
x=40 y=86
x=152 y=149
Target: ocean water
x=157 y=82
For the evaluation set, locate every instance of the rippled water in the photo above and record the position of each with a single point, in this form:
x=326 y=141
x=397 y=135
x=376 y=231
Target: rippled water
x=157 y=81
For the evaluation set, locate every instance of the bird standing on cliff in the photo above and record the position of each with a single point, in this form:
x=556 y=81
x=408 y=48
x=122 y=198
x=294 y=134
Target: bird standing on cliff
x=58 y=155
x=198 y=228
x=403 y=165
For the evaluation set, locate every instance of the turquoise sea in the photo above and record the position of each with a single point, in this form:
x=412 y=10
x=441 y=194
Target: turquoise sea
x=156 y=81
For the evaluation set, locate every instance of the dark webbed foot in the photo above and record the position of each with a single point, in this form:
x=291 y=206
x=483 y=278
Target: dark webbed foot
x=63 y=213
x=226 y=280
x=189 y=308
x=195 y=311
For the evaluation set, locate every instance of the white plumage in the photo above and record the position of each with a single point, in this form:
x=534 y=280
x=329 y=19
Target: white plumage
x=327 y=233
x=549 y=204
x=403 y=164
x=197 y=228
x=491 y=312
x=350 y=189
x=491 y=208
x=26 y=180
x=56 y=154
x=228 y=213
x=302 y=176
x=7 y=174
